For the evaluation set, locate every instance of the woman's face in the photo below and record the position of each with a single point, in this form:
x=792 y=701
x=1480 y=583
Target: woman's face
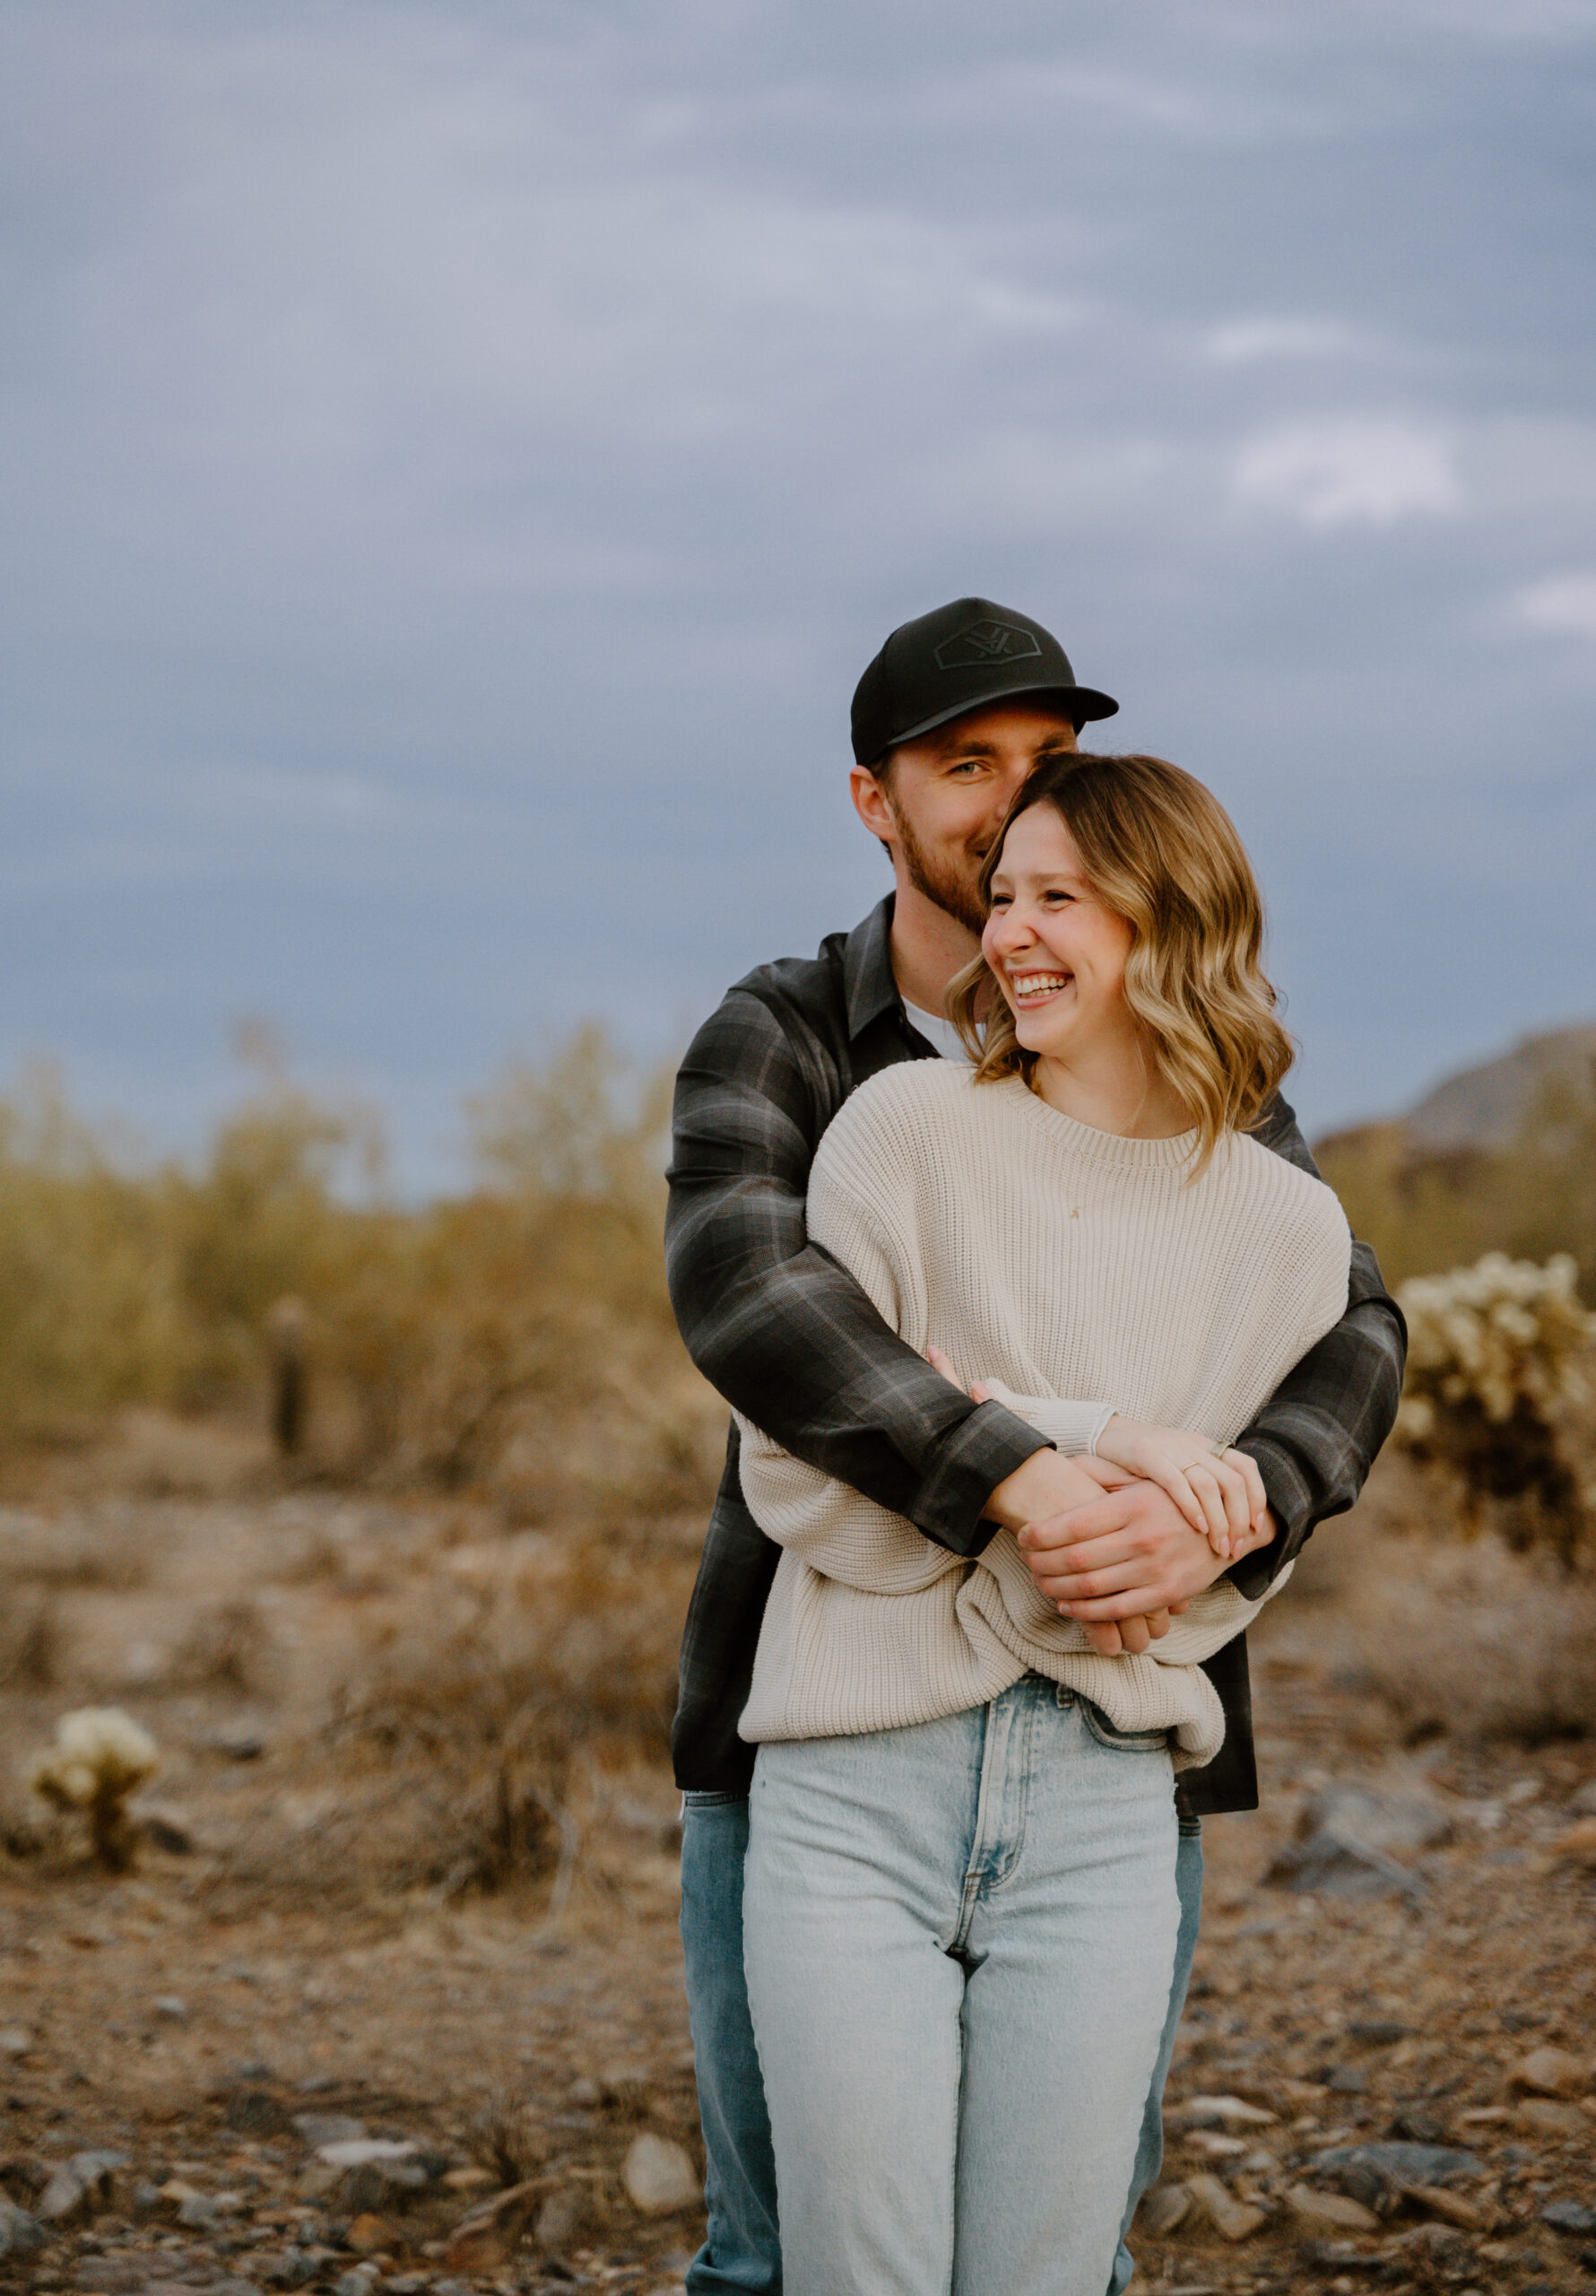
x=1058 y=954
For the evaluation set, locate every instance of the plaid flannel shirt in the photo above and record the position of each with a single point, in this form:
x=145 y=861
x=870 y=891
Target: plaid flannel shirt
x=788 y=1336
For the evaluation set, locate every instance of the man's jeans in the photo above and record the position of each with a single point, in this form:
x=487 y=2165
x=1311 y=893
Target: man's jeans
x=742 y=2250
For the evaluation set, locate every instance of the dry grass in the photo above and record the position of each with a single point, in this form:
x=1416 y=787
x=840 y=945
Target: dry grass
x=1478 y=1642
x=1465 y=1639
x=517 y=1339
x=30 y=1639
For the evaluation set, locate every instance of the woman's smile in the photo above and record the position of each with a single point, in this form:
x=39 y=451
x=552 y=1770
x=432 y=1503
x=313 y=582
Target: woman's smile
x=1033 y=989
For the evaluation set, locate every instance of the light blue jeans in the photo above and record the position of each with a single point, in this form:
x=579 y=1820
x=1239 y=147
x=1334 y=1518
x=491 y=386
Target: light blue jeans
x=958 y=1940
x=742 y=2250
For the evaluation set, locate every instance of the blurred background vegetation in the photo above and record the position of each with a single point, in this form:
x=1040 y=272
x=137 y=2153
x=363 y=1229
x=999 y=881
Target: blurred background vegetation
x=452 y=1465
x=431 y=1339
x=1432 y=1198
x=448 y=1342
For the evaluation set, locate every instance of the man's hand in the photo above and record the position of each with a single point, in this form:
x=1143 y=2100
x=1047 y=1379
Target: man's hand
x=1047 y=1494
x=1220 y=1492
x=1127 y=1554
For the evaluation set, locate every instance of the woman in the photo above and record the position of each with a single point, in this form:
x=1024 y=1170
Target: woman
x=959 y=1908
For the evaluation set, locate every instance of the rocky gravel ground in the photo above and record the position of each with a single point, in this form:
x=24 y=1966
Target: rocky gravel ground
x=241 y=2067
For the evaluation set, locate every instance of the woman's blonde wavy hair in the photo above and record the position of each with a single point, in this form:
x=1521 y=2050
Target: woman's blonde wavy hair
x=1160 y=850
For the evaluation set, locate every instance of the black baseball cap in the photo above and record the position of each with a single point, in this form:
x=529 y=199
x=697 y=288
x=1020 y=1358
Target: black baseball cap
x=960 y=657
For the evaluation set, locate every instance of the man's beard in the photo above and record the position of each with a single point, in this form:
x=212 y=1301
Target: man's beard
x=941 y=879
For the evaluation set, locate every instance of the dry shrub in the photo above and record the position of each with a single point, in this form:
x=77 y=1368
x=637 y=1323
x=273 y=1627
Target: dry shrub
x=36 y=1551
x=228 y=1648
x=1473 y=1641
x=494 y=1695
x=462 y=1343
x=32 y=1643
x=507 y=2137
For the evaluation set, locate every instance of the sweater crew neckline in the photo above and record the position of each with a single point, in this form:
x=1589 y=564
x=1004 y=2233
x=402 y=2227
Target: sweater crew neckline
x=1087 y=1140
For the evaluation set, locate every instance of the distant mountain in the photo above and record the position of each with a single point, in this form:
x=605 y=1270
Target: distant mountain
x=1484 y=1106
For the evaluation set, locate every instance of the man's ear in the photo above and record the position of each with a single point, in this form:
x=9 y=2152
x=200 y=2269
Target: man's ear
x=871 y=803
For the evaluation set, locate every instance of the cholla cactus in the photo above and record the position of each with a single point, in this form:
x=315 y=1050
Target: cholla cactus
x=99 y=1756
x=1493 y=1351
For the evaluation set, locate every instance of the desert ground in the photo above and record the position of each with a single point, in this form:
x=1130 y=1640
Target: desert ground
x=390 y=1994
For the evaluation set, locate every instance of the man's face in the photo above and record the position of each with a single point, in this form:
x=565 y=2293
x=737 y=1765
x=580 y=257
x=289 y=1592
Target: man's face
x=938 y=802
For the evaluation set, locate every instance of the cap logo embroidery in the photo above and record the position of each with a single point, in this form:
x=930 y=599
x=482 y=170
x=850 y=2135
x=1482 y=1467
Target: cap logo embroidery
x=983 y=642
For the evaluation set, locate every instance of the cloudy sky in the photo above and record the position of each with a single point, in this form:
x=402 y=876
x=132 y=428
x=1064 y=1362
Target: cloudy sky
x=456 y=458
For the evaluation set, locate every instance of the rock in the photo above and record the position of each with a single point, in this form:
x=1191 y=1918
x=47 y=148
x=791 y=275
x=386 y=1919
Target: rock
x=562 y=2217
x=21 y=2235
x=1584 y=1798
x=1441 y=2247
x=1379 y=2174
x=1569 y=2216
x=1546 y=2117
x=1349 y=1840
x=164 y=1828
x=360 y=2282
x=1216 y=2147
x=1453 y=2207
x=1577 y=1846
x=1420 y=2126
x=378 y=2185
x=1329 y=2212
x=360 y=2151
x=468 y=2179
x=368 y=2236
x=1551 y=2073
x=1220 y=2112
x=374 y=2173
x=1347 y=2081
x=80 y=2188
x=1232 y=2219
x=198 y=2211
x=1377 y=2033
x=328 y=2128
x=15 y=2041
x=294 y=2269
x=1163 y=2210
x=254 y=2112
x=488 y=2234
x=111 y=2275
x=171 y=2006
x=235 y=1741
x=659 y=2177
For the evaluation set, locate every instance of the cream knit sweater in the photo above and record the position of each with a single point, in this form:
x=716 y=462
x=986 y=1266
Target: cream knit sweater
x=1058 y=1264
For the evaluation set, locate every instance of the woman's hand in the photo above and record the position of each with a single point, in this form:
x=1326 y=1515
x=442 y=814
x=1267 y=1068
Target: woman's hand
x=1220 y=1492
x=1110 y=1638
x=940 y=1362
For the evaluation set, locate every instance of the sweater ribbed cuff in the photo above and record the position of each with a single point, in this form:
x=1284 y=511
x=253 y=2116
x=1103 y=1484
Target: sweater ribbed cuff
x=968 y=1464
x=1071 y=1428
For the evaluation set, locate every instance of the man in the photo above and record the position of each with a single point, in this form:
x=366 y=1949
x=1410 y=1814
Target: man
x=953 y=714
